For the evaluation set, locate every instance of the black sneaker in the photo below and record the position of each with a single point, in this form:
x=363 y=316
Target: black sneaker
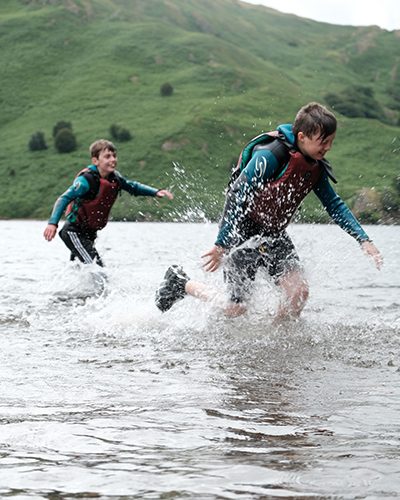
x=172 y=288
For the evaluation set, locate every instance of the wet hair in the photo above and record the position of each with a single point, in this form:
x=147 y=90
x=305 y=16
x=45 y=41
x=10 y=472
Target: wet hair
x=313 y=118
x=101 y=145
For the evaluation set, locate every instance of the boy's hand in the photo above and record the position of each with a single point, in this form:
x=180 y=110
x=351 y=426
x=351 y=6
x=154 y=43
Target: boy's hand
x=215 y=257
x=370 y=249
x=164 y=192
x=50 y=232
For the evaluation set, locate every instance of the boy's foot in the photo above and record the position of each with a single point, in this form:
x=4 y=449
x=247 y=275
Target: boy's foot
x=172 y=288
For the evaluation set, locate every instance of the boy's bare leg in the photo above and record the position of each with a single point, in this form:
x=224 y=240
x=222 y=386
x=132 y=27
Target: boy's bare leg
x=293 y=285
x=207 y=294
x=295 y=290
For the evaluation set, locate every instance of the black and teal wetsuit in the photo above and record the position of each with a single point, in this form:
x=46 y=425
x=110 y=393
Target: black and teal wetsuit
x=88 y=202
x=252 y=211
x=262 y=168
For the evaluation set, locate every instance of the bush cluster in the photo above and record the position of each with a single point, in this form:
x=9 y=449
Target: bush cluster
x=372 y=206
x=64 y=138
x=391 y=196
x=356 y=102
x=65 y=141
x=120 y=133
x=61 y=125
x=166 y=89
x=37 y=142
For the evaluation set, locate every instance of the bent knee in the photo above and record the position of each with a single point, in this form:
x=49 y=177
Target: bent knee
x=303 y=290
x=295 y=286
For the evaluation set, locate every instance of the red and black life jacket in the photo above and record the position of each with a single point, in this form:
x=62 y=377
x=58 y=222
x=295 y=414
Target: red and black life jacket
x=275 y=203
x=92 y=211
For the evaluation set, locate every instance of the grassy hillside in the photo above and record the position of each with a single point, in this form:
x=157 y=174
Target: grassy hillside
x=236 y=70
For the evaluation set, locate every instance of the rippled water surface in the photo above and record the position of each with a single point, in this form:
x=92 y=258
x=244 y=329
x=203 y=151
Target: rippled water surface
x=102 y=396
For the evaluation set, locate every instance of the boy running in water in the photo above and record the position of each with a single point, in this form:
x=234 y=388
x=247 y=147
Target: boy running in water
x=89 y=200
x=275 y=173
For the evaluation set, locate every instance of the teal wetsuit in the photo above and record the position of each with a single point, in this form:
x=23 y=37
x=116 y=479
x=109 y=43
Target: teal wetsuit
x=83 y=185
x=274 y=249
x=261 y=168
x=89 y=200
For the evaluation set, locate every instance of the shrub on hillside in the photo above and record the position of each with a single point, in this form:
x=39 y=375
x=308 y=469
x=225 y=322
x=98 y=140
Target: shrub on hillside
x=61 y=125
x=394 y=92
x=356 y=102
x=396 y=184
x=390 y=200
x=37 y=142
x=367 y=206
x=166 y=89
x=120 y=133
x=65 y=141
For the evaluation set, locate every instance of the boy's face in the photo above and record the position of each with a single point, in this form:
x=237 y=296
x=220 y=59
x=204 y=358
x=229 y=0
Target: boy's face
x=106 y=162
x=315 y=147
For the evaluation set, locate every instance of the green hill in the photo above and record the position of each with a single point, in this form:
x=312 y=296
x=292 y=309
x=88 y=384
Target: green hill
x=236 y=70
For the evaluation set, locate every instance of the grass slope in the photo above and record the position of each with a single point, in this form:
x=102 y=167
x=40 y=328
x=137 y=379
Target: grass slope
x=236 y=70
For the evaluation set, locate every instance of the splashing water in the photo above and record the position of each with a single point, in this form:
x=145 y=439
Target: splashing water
x=194 y=203
x=103 y=396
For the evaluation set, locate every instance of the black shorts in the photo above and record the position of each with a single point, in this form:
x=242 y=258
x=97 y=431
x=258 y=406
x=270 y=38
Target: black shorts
x=81 y=243
x=276 y=254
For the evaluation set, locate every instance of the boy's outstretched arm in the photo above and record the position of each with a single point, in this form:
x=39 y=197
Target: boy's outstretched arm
x=343 y=216
x=137 y=189
x=164 y=193
x=79 y=188
x=371 y=250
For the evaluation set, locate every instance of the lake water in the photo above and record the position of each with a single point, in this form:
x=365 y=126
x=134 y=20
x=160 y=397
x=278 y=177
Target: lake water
x=102 y=396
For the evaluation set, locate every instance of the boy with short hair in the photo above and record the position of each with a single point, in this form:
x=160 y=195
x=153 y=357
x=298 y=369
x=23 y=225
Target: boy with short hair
x=275 y=173
x=89 y=200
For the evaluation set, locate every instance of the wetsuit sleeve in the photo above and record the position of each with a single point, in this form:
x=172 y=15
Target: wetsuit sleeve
x=79 y=188
x=338 y=210
x=136 y=188
x=260 y=169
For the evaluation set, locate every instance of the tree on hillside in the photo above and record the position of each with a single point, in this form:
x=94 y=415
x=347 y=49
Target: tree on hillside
x=60 y=125
x=120 y=133
x=393 y=91
x=166 y=89
x=65 y=141
x=356 y=101
x=37 y=142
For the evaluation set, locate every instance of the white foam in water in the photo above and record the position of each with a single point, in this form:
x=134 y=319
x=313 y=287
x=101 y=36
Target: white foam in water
x=76 y=280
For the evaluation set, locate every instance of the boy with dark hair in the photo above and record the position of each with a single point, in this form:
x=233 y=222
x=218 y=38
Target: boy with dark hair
x=89 y=200
x=275 y=172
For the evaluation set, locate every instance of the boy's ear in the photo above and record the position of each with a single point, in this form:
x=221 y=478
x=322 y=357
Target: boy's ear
x=94 y=160
x=300 y=137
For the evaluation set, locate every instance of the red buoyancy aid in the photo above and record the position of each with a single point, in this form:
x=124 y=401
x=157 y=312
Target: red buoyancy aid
x=276 y=202
x=93 y=213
